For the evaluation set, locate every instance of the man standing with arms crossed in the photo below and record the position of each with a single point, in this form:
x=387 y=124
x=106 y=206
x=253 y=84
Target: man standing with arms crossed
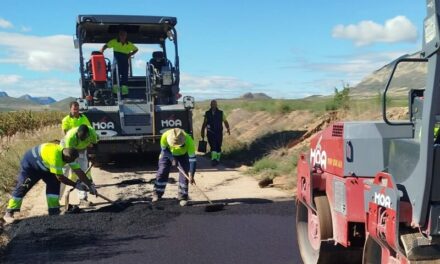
x=213 y=122
x=74 y=119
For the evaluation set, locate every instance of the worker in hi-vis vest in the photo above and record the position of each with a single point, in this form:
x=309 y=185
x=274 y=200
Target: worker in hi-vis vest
x=74 y=118
x=80 y=138
x=123 y=50
x=213 y=123
x=45 y=162
x=177 y=147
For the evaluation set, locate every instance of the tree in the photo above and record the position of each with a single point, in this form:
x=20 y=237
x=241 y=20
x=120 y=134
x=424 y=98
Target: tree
x=342 y=98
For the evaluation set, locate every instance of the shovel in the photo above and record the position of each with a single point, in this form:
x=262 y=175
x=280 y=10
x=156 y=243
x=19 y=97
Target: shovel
x=212 y=207
x=66 y=200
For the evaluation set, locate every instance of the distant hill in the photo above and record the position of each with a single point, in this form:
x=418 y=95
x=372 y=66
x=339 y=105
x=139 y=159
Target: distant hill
x=15 y=104
x=3 y=94
x=255 y=96
x=408 y=75
x=44 y=100
x=62 y=105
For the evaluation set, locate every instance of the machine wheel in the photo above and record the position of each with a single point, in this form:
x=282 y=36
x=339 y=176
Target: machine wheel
x=372 y=252
x=313 y=229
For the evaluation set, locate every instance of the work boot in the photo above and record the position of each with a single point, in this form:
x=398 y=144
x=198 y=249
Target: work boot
x=9 y=217
x=155 y=198
x=183 y=202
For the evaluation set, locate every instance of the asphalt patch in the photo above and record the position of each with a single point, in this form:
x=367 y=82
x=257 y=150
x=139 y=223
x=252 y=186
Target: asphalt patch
x=131 y=182
x=115 y=207
x=101 y=234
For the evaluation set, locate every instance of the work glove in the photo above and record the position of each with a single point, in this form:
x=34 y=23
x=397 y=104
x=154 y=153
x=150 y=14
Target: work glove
x=191 y=178
x=80 y=186
x=92 y=189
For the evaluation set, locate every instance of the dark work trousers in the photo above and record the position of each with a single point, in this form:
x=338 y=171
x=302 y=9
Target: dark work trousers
x=122 y=61
x=31 y=171
x=164 y=171
x=215 y=141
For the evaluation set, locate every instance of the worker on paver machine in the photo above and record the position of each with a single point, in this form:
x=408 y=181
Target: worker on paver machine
x=213 y=122
x=122 y=52
x=45 y=162
x=177 y=147
x=80 y=138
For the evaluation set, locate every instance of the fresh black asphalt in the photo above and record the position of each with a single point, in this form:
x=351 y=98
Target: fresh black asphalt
x=250 y=231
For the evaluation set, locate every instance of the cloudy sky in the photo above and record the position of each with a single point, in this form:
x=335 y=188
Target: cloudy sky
x=285 y=48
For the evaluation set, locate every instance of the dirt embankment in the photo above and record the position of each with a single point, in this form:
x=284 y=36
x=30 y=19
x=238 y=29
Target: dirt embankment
x=283 y=137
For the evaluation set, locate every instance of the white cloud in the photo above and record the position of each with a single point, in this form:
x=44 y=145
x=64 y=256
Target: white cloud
x=350 y=69
x=26 y=29
x=397 y=29
x=9 y=79
x=39 y=53
x=214 y=86
x=56 y=88
x=5 y=23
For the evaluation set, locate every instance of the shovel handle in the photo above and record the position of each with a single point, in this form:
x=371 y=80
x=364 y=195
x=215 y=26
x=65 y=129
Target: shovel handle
x=105 y=198
x=195 y=185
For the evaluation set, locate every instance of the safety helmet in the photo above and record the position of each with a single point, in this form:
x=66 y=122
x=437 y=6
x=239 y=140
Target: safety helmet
x=176 y=137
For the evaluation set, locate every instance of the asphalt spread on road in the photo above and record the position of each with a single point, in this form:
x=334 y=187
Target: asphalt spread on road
x=137 y=231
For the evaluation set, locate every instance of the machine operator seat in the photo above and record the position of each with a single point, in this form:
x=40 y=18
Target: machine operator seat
x=98 y=69
x=158 y=60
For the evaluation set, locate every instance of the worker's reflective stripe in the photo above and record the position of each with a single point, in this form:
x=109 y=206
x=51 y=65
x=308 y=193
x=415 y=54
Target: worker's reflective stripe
x=158 y=183
x=15 y=203
x=159 y=189
x=192 y=159
x=34 y=152
x=41 y=165
x=53 y=200
x=183 y=185
x=36 y=155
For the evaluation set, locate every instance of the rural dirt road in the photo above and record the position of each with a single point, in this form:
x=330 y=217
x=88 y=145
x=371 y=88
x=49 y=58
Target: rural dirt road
x=257 y=225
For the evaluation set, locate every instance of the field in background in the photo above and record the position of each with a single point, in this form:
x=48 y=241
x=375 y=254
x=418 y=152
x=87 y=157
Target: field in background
x=19 y=131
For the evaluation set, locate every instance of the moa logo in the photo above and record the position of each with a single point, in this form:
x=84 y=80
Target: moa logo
x=318 y=156
x=103 y=125
x=382 y=200
x=172 y=121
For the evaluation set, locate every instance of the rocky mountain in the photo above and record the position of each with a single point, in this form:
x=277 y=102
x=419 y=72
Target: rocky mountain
x=408 y=75
x=257 y=96
x=42 y=100
x=3 y=94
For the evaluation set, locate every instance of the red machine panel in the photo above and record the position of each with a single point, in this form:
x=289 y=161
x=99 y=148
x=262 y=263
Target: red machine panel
x=99 y=70
x=327 y=150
